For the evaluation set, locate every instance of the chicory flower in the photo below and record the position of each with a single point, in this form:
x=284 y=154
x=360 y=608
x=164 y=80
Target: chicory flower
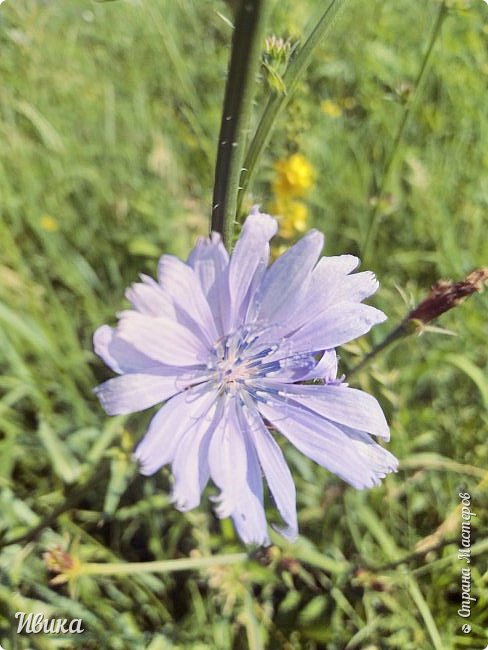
x=238 y=349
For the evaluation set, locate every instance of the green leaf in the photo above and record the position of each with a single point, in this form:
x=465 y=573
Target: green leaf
x=305 y=551
x=425 y=612
x=476 y=375
x=313 y=610
x=122 y=469
x=64 y=463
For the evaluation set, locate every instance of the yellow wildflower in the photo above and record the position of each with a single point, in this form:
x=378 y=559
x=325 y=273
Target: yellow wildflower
x=292 y=216
x=331 y=108
x=294 y=176
x=294 y=220
x=49 y=223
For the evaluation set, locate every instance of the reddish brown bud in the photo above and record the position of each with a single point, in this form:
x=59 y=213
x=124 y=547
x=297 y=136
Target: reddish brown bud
x=446 y=294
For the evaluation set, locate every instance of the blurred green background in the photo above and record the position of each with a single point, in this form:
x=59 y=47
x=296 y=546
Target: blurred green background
x=109 y=115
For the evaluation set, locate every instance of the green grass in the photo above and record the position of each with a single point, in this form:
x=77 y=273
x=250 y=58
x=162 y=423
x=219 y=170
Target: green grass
x=109 y=115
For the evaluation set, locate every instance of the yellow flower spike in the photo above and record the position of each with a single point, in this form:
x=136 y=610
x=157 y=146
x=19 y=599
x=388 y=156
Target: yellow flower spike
x=292 y=216
x=48 y=223
x=331 y=108
x=277 y=208
x=293 y=219
x=285 y=232
x=294 y=176
x=298 y=215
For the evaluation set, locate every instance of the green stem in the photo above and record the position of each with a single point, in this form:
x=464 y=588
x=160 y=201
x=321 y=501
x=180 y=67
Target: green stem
x=239 y=93
x=278 y=101
x=374 y=217
x=159 y=566
x=404 y=329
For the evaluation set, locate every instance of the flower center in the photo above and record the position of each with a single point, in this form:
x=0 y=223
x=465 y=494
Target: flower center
x=238 y=359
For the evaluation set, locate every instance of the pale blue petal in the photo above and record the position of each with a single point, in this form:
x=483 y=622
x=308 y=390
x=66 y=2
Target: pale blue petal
x=235 y=470
x=358 y=460
x=249 y=516
x=287 y=278
x=302 y=367
x=338 y=325
x=209 y=260
x=190 y=463
x=327 y=288
x=248 y=264
x=275 y=470
x=359 y=286
x=179 y=415
x=179 y=281
x=148 y=298
x=138 y=391
x=163 y=340
x=338 y=265
x=331 y=285
x=326 y=368
x=341 y=404
x=119 y=355
x=289 y=369
x=376 y=456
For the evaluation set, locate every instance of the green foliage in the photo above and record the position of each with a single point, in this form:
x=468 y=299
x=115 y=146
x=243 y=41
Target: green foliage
x=109 y=115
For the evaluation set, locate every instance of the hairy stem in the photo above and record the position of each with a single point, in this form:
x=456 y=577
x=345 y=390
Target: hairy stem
x=239 y=93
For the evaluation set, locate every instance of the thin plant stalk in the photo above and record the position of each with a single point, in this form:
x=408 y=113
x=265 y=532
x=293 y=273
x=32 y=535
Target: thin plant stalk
x=443 y=296
x=240 y=89
x=405 y=328
x=374 y=216
x=158 y=566
x=278 y=101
